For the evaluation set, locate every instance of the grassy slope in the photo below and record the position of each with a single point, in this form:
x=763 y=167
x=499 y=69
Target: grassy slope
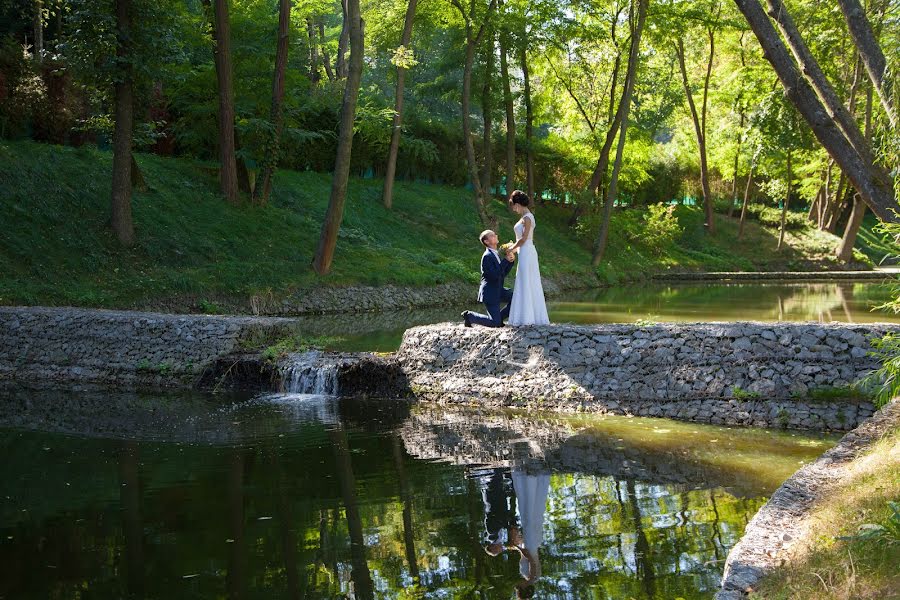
x=827 y=567
x=55 y=247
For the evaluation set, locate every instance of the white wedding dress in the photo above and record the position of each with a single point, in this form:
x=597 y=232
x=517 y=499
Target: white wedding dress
x=528 y=306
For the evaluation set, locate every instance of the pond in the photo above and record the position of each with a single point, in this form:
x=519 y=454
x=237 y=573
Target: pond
x=293 y=496
x=689 y=302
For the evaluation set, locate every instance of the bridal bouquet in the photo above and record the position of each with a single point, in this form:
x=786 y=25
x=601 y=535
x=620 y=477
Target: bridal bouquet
x=504 y=249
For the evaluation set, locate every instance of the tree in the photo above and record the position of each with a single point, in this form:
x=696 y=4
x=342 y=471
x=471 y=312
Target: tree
x=277 y=113
x=122 y=223
x=473 y=40
x=228 y=178
x=700 y=120
x=486 y=109
x=402 y=60
x=872 y=56
x=874 y=190
x=631 y=75
x=529 y=116
x=510 y=113
x=335 y=211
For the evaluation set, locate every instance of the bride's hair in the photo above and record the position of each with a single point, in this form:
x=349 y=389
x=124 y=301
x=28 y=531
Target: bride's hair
x=519 y=197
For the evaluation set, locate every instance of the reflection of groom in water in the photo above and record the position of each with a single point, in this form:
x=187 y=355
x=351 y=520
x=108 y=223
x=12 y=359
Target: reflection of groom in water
x=499 y=512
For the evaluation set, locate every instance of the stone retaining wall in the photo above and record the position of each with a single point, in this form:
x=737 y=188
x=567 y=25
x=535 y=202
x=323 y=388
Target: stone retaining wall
x=754 y=374
x=120 y=347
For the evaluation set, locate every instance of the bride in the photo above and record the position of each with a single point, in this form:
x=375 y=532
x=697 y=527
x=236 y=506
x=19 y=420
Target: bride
x=528 y=306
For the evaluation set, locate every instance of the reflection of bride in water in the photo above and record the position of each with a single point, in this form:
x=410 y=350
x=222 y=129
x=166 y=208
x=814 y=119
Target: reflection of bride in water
x=527 y=496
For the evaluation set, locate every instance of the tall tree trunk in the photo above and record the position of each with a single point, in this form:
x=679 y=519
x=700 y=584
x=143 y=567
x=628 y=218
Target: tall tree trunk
x=486 y=109
x=844 y=250
x=394 y=150
x=121 y=220
x=746 y=202
x=603 y=160
x=326 y=60
x=630 y=77
x=472 y=42
x=510 y=116
x=313 y=36
x=38 y=50
x=335 y=213
x=340 y=62
x=276 y=114
x=810 y=68
x=873 y=58
x=811 y=216
x=228 y=178
x=734 y=178
x=878 y=195
x=787 y=199
x=825 y=205
x=529 y=120
x=836 y=207
x=699 y=121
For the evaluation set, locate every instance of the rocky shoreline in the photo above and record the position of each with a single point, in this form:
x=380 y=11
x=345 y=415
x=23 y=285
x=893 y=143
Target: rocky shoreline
x=785 y=518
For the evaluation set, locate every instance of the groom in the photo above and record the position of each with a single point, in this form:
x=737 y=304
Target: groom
x=491 y=291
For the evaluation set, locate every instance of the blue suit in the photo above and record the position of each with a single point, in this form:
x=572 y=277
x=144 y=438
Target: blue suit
x=491 y=290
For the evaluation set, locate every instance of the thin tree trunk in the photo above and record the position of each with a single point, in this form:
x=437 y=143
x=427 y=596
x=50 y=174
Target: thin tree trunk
x=312 y=34
x=472 y=42
x=121 y=220
x=814 y=205
x=873 y=58
x=409 y=540
x=825 y=205
x=326 y=60
x=340 y=64
x=276 y=114
x=878 y=195
x=486 y=108
x=848 y=240
x=222 y=40
x=529 y=121
x=603 y=160
x=737 y=156
x=700 y=123
x=335 y=213
x=630 y=77
x=836 y=207
x=787 y=199
x=38 y=51
x=510 y=117
x=746 y=202
x=396 y=130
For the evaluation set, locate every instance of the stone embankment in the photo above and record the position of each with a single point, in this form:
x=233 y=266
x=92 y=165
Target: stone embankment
x=756 y=374
x=874 y=275
x=786 y=517
x=121 y=347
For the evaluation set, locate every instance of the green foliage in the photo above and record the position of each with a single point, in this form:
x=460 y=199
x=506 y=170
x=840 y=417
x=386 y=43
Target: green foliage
x=740 y=394
x=771 y=217
x=886 y=532
x=298 y=343
x=828 y=394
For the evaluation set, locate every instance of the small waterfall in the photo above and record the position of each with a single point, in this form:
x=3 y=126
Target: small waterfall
x=308 y=373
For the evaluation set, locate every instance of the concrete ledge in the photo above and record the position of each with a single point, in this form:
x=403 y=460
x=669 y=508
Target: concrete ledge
x=876 y=275
x=785 y=518
x=755 y=374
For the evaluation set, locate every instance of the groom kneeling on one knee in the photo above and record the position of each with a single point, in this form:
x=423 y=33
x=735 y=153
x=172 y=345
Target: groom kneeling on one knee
x=491 y=291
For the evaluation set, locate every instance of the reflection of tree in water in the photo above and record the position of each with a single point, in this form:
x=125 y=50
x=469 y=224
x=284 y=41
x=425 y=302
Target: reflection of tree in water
x=350 y=510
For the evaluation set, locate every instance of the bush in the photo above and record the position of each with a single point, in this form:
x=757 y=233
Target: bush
x=771 y=217
x=661 y=227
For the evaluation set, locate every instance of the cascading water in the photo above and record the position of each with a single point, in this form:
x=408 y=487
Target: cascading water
x=308 y=373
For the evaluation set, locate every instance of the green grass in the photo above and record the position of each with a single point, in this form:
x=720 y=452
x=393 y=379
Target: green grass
x=196 y=252
x=853 y=546
x=876 y=245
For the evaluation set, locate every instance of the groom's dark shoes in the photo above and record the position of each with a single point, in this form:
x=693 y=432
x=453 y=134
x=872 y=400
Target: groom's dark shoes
x=465 y=315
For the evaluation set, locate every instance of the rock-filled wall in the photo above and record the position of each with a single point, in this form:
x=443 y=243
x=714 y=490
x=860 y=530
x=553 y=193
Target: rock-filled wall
x=759 y=374
x=121 y=347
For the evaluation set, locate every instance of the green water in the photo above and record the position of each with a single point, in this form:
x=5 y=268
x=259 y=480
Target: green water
x=124 y=495
x=661 y=302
